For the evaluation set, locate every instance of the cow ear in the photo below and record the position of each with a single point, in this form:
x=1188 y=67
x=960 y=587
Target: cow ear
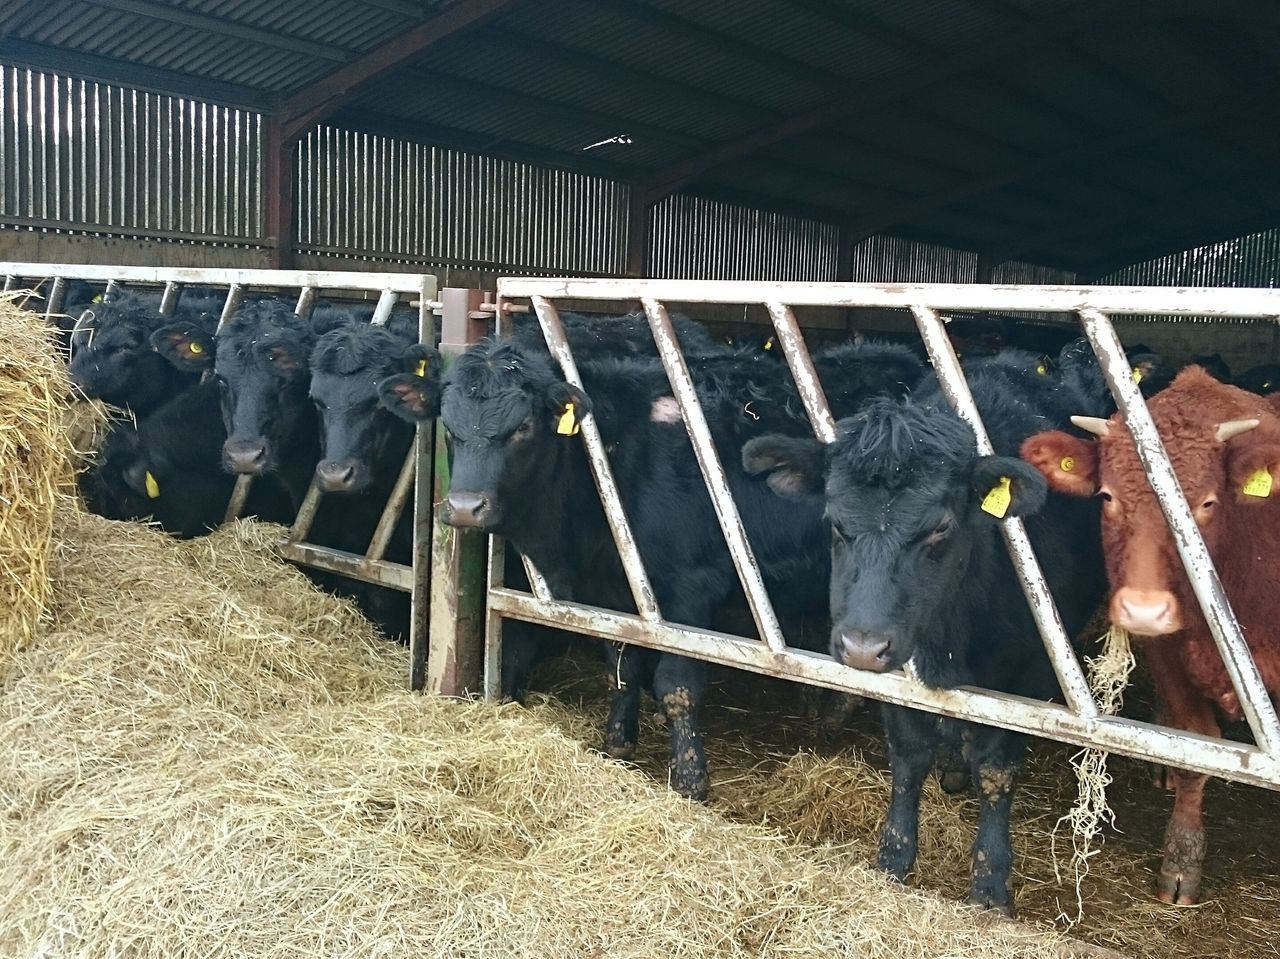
x=1006 y=487
x=1068 y=463
x=569 y=405
x=189 y=349
x=1253 y=469
x=795 y=465
x=413 y=398
x=422 y=361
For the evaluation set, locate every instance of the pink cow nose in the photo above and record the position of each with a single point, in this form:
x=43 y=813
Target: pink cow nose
x=1145 y=612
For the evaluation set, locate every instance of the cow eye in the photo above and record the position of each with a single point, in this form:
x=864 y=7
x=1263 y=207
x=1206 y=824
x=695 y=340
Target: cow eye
x=320 y=404
x=524 y=429
x=940 y=532
x=838 y=536
x=1104 y=494
x=1209 y=503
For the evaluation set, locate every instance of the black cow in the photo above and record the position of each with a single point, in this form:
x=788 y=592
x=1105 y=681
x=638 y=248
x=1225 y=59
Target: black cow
x=518 y=471
x=120 y=356
x=1081 y=375
x=167 y=468
x=920 y=576
x=1262 y=379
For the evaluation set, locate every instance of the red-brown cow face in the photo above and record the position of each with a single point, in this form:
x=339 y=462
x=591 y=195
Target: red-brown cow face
x=1227 y=467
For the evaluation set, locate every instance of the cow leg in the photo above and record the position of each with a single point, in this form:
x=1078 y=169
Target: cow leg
x=626 y=678
x=951 y=767
x=995 y=758
x=912 y=737
x=679 y=684
x=1184 y=839
x=835 y=708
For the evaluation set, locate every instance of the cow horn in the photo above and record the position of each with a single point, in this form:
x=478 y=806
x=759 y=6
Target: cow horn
x=1234 y=428
x=1092 y=424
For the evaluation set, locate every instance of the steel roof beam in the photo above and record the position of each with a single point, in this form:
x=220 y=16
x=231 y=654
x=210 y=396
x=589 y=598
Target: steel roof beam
x=224 y=28
x=309 y=106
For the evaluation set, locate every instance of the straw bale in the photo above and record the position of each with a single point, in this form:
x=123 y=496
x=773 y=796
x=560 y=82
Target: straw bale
x=35 y=470
x=202 y=755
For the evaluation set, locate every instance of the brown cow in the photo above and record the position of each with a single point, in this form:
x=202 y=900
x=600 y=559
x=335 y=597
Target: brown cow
x=1224 y=444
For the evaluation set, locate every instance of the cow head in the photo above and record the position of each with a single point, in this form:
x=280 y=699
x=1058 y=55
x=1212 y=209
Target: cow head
x=262 y=368
x=112 y=358
x=1225 y=449
x=358 y=435
x=911 y=504
x=509 y=419
x=414 y=396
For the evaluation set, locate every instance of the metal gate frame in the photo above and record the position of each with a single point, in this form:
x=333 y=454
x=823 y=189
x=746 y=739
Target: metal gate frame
x=1079 y=722
x=417 y=473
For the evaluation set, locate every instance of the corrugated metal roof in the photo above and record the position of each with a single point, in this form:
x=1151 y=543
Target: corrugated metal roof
x=1082 y=131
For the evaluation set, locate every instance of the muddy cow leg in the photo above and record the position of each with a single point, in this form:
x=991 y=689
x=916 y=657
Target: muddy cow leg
x=951 y=767
x=995 y=759
x=679 y=685
x=628 y=666
x=1184 y=840
x=912 y=738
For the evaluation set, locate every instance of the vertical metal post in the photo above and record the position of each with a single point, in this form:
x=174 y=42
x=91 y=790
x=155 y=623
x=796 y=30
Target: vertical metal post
x=277 y=193
x=1043 y=609
x=713 y=475
x=10 y=281
x=806 y=377
x=424 y=444
x=1245 y=678
x=637 y=230
x=169 y=298
x=57 y=293
x=386 y=303
x=235 y=295
x=456 y=634
x=632 y=564
x=493 y=622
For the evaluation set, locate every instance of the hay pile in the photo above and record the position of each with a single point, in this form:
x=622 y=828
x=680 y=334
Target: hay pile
x=35 y=469
x=204 y=756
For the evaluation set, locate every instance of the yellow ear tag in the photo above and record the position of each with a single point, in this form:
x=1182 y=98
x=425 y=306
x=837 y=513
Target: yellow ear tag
x=98 y=298
x=421 y=368
x=1137 y=374
x=1067 y=464
x=768 y=344
x=195 y=348
x=1258 y=484
x=1042 y=370
x=568 y=425
x=997 y=501
x=153 y=488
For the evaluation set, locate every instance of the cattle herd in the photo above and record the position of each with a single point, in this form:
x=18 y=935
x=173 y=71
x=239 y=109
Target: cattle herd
x=891 y=531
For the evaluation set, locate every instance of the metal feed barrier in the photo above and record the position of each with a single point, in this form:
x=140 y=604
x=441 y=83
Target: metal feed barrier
x=1080 y=721
x=416 y=475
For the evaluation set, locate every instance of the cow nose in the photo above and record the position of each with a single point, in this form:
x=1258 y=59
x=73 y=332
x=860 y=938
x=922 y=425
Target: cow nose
x=468 y=509
x=869 y=651
x=245 y=456
x=336 y=476
x=1145 y=612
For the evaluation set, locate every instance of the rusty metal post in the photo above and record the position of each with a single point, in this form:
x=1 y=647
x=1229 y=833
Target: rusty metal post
x=456 y=635
x=424 y=445
x=57 y=292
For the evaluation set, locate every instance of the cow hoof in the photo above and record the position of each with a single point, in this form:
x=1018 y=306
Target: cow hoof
x=989 y=905
x=693 y=788
x=954 y=781
x=1162 y=778
x=1178 y=887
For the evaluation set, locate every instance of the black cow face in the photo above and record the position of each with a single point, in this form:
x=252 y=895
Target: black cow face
x=112 y=358
x=911 y=506
x=508 y=419
x=262 y=372
x=359 y=437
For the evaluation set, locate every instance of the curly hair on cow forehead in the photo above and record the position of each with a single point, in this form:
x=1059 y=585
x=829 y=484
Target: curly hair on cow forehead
x=495 y=366
x=888 y=442
x=357 y=348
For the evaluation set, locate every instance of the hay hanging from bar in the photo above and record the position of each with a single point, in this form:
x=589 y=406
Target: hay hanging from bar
x=36 y=472
x=202 y=755
x=1108 y=677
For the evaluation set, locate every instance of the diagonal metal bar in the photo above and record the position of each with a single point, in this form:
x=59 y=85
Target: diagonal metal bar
x=235 y=296
x=395 y=506
x=387 y=300
x=713 y=474
x=601 y=471
x=57 y=292
x=1245 y=678
x=1043 y=609
x=169 y=298
x=801 y=364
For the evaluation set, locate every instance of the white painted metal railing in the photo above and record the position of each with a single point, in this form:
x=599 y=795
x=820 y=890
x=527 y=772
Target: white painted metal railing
x=1079 y=721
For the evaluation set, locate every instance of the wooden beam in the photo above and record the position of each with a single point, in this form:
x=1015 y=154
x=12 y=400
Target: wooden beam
x=278 y=194
x=637 y=232
x=224 y=28
x=324 y=97
x=874 y=96
x=88 y=66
